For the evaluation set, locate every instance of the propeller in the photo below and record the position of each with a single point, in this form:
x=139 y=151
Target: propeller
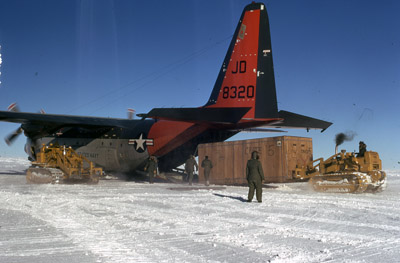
x=13 y=107
x=13 y=136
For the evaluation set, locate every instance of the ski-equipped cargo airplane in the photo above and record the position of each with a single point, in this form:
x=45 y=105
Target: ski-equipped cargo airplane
x=243 y=98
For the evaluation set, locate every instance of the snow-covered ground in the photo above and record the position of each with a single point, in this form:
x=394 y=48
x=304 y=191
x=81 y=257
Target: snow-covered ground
x=117 y=221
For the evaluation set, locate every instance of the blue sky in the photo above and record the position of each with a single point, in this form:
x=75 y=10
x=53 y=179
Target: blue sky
x=334 y=60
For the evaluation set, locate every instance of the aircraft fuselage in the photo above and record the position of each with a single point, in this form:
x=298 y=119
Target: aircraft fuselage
x=125 y=150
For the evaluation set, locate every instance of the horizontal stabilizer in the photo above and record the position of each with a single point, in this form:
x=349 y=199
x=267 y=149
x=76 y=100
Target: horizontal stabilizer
x=197 y=115
x=258 y=130
x=293 y=120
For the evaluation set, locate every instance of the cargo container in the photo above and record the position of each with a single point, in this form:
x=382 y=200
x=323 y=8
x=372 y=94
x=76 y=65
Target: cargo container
x=278 y=155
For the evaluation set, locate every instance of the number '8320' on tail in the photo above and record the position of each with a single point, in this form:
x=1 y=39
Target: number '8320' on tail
x=246 y=78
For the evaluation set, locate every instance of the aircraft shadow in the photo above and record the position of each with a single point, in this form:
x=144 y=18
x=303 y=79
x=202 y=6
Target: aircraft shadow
x=239 y=198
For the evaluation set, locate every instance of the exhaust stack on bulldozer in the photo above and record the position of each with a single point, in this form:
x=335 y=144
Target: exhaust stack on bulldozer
x=345 y=172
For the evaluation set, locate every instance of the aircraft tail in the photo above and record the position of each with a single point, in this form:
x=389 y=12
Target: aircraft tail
x=244 y=94
x=246 y=78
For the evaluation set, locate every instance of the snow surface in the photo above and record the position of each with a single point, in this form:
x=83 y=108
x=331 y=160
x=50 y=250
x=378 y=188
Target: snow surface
x=118 y=221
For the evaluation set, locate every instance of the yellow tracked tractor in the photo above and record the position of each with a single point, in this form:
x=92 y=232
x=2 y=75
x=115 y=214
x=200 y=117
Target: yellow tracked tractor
x=60 y=164
x=345 y=172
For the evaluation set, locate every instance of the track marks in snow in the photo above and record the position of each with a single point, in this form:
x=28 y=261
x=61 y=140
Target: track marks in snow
x=133 y=222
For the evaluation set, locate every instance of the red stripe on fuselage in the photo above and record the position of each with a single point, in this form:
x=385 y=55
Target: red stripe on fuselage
x=169 y=135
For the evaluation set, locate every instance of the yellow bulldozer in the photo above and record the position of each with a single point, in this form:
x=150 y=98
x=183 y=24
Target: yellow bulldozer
x=345 y=172
x=60 y=164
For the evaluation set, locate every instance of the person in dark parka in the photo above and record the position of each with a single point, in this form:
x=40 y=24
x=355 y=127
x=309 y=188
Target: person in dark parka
x=254 y=176
x=207 y=165
x=151 y=168
x=362 y=149
x=190 y=167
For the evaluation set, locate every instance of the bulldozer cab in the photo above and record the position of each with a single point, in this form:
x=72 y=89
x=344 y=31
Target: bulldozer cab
x=370 y=161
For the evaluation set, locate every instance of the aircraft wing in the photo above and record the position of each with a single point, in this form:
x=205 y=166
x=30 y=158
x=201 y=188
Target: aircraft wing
x=37 y=124
x=294 y=120
x=66 y=120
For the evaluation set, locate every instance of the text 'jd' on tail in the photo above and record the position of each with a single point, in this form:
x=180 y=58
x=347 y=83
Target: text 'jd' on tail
x=246 y=78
